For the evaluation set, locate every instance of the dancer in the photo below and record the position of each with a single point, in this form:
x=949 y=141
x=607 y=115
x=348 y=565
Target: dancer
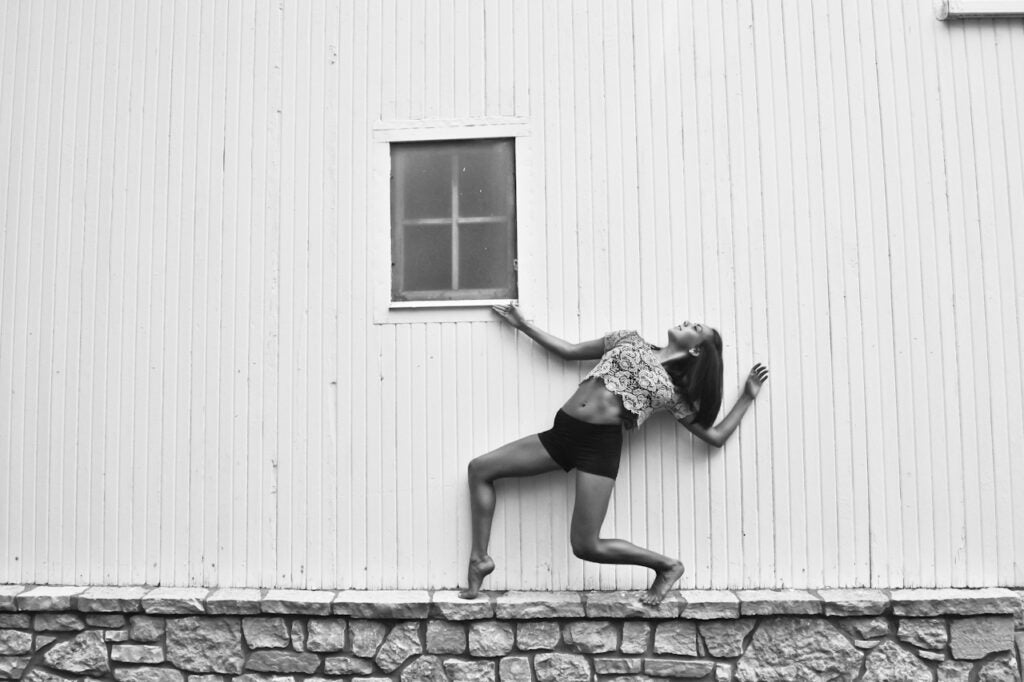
x=632 y=379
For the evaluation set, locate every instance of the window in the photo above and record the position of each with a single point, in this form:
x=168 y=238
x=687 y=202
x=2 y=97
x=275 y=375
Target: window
x=453 y=221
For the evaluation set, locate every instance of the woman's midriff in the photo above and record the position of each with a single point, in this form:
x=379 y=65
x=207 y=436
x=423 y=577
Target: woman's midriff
x=594 y=403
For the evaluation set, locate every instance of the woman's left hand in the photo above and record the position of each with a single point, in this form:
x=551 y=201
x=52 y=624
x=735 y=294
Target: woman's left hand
x=758 y=375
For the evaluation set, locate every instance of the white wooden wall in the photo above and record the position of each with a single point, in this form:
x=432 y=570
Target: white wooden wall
x=193 y=390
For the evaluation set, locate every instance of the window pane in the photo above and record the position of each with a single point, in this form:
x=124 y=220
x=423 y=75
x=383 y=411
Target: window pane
x=428 y=257
x=485 y=179
x=427 y=180
x=484 y=261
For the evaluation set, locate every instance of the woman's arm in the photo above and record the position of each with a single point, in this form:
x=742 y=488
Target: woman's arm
x=586 y=350
x=719 y=433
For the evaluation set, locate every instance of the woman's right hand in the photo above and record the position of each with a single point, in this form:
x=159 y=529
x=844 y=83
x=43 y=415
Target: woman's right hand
x=511 y=314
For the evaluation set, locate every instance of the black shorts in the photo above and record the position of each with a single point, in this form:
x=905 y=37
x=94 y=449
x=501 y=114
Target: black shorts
x=593 y=448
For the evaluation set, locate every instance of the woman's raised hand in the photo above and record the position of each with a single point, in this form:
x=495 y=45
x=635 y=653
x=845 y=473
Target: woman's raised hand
x=758 y=375
x=511 y=314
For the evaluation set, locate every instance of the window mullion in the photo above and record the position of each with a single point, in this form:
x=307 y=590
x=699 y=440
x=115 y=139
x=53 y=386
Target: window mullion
x=455 y=221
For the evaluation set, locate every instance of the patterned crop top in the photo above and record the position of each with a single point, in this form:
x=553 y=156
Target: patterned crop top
x=631 y=370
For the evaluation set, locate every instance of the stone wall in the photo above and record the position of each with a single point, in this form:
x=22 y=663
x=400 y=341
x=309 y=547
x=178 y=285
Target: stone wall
x=177 y=634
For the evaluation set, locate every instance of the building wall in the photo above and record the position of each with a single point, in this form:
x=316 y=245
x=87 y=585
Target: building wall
x=196 y=387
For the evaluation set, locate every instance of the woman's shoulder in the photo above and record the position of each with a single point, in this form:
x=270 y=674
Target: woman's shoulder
x=621 y=336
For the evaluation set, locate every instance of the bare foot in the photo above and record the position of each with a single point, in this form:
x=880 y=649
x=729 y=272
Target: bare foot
x=478 y=570
x=664 y=580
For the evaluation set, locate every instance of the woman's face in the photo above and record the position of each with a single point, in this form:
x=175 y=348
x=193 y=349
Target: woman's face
x=689 y=335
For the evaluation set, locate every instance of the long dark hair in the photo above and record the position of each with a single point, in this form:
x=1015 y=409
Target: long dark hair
x=699 y=379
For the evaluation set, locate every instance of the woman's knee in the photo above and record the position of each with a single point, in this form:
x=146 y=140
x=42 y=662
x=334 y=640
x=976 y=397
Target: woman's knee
x=585 y=547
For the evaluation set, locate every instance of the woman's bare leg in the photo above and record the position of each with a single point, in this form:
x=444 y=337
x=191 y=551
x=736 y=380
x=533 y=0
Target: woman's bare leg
x=523 y=457
x=592 y=495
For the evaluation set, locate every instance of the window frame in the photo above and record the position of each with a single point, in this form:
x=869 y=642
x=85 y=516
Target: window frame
x=527 y=236
x=455 y=223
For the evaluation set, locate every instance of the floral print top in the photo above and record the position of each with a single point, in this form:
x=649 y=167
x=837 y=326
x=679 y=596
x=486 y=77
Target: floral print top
x=631 y=370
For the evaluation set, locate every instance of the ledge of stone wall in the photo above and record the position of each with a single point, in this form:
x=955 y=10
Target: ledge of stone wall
x=513 y=605
x=145 y=634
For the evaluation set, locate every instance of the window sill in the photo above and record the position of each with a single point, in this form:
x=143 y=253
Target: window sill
x=412 y=312
x=978 y=9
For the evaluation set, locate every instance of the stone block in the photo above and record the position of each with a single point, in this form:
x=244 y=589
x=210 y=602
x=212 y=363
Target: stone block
x=111 y=599
x=402 y=642
x=515 y=669
x=298 y=633
x=709 y=605
x=105 y=620
x=38 y=674
x=1000 y=669
x=890 y=661
x=425 y=669
x=259 y=677
x=561 y=668
x=15 y=621
x=205 y=644
x=15 y=642
x=12 y=667
x=866 y=643
x=954 y=671
x=48 y=598
x=529 y=605
x=58 y=622
x=590 y=636
x=137 y=653
x=42 y=641
x=1018 y=610
x=265 y=633
x=676 y=637
x=175 y=600
x=723 y=672
x=326 y=634
x=469 y=671
x=392 y=604
x=272 y=661
x=205 y=678
x=864 y=628
x=626 y=604
x=932 y=655
x=724 y=638
x=616 y=666
x=85 y=654
x=147 y=628
x=448 y=605
x=538 y=605
x=541 y=635
x=115 y=635
x=778 y=603
x=859 y=602
x=926 y=633
x=488 y=639
x=366 y=636
x=678 y=668
x=347 y=665
x=636 y=637
x=234 y=602
x=148 y=675
x=445 y=638
x=7 y=596
x=953 y=602
x=304 y=602
x=790 y=648
x=975 y=638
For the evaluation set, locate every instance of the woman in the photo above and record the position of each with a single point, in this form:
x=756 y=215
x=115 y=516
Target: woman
x=631 y=381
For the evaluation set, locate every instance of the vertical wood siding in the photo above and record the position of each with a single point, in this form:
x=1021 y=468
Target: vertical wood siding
x=193 y=389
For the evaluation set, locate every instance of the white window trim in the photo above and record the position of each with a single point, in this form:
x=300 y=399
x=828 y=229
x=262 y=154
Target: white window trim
x=966 y=9
x=528 y=232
